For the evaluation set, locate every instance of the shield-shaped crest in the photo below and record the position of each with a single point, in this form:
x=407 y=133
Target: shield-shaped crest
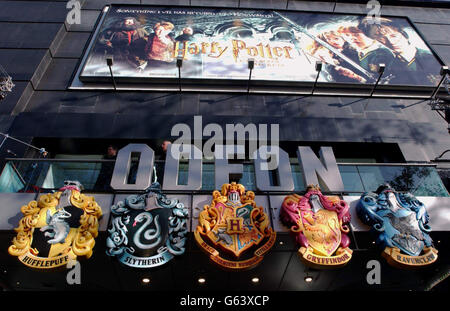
x=322 y=231
x=147 y=230
x=319 y=223
x=236 y=231
x=234 y=225
x=400 y=222
x=57 y=228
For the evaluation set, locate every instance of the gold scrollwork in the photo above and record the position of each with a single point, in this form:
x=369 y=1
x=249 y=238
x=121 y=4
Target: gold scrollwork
x=49 y=200
x=84 y=238
x=22 y=241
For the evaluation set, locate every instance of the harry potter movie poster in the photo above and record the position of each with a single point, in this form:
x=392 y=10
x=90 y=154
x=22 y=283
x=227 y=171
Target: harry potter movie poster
x=145 y=42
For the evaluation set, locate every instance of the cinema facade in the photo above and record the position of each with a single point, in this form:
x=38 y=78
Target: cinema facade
x=347 y=104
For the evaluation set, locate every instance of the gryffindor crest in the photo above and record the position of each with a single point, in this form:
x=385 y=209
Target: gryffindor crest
x=57 y=228
x=233 y=225
x=320 y=225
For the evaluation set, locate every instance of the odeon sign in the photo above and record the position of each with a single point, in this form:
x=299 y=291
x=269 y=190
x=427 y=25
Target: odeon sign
x=324 y=167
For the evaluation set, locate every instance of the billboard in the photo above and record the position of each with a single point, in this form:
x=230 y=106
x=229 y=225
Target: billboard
x=216 y=44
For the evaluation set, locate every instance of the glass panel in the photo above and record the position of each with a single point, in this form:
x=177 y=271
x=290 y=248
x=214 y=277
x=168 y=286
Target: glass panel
x=351 y=179
x=10 y=181
x=297 y=175
x=30 y=176
x=371 y=177
x=208 y=177
x=86 y=173
x=248 y=179
x=418 y=180
x=427 y=182
x=183 y=173
x=159 y=170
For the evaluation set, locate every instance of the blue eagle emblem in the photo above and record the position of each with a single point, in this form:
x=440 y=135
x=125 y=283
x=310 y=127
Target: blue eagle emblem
x=399 y=219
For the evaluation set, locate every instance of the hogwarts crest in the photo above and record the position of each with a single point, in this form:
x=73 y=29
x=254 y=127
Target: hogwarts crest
x=400 y=222
x=147 y=230
x=320 y=226
x=233 y=226
x=57 y=228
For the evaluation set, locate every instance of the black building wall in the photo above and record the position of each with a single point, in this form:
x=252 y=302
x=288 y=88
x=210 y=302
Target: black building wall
x=41 y=52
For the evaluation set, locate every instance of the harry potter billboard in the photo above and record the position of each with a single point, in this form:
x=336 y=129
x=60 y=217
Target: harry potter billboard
x=216 y=44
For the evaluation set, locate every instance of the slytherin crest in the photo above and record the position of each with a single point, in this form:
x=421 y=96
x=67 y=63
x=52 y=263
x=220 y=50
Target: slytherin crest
x=234 y=225
x=57 y=228
x=147 y=230
x=400 y=222
x=320 y=225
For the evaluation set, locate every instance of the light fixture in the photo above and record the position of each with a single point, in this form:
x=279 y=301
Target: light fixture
x=145 y=280
x=318 y=69
x=179 y=61
x=255 y=280
x=308 y=279
x=110 y=63
x=281 y=242
x=251 y=65
x=381 y=68
x=201 y=280
x=444 y=72
x=179 y=65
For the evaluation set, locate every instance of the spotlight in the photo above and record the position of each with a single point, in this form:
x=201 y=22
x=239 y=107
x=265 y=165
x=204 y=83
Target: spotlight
x=179 y=65
x=201 y=280
x=318 y=66
x=109 y=61
x=381 y=68
x=179 y=62
x=255 y=280
x=308 y=279
x=145 y=281
x=444 y=72
x=251 y=63
x=318 y=69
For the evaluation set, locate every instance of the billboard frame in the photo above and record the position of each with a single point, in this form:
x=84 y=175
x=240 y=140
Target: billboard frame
x=239 y=86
